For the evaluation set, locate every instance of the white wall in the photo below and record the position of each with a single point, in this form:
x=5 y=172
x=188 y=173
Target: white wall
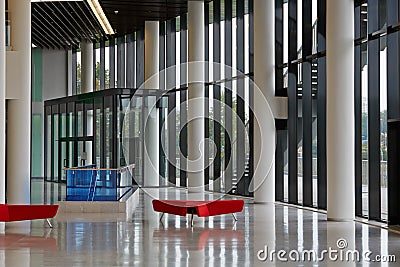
x=54 y=85
x=55 y=73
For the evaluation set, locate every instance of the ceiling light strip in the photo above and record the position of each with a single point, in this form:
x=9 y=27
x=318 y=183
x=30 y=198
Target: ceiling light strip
x=101 y=17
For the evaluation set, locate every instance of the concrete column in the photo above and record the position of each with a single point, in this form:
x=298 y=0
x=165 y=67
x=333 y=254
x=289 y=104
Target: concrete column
x=264 y=78
x=86 y=67
x=19 y=110
x=195 y=113
x=87 y=87
x=2 y=102
x=340 y=109
x=151 y=68
x=69 y=70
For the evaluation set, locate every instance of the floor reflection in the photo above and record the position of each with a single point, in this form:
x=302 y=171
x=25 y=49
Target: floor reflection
x=141 y=240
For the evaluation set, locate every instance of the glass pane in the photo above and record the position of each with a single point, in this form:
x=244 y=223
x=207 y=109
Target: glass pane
x=383 y=126
x=64 y=160
x=71 y=120
x=364 y=127
x=299 y=153
x=99 y=134
x=49 y=140
x=107 y=65
x=78 y=72
x=314 y=86
x=285 y=32
x=80 y=119
x=55 y=140
x=109 y=131
x=97 y=66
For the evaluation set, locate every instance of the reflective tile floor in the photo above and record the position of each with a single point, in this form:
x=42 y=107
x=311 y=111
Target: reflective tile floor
x=264 y=235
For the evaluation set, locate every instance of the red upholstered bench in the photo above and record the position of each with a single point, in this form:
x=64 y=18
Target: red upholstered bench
x=11 y=213
x=200 y=208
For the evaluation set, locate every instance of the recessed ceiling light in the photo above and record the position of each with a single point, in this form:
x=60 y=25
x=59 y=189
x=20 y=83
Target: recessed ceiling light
x=101 y=17
x=56 y=1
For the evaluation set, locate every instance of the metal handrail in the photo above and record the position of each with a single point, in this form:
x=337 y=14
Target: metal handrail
x=121 y=170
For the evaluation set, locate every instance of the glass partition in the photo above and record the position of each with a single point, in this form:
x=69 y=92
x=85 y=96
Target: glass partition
x=87 y=130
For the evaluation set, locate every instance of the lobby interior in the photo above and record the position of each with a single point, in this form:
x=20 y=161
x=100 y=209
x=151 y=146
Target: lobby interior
x=292 y=106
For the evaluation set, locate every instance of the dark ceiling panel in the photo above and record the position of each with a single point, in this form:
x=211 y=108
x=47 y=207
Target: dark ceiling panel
x=127 y=16
x=63 y=25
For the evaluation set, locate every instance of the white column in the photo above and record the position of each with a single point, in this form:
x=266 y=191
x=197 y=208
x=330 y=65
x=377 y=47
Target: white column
x=2 y=102
x=340 y=109
x=87 y=87
x=69 y=70
x=264 y=78
x=195 y=96
x=19 y=110
x=86 y=67
x=151 y=70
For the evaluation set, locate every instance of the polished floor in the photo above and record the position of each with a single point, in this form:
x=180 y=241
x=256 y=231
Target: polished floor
x=142 y=240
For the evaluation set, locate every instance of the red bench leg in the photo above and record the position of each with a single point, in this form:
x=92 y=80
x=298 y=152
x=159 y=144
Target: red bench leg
x=191 y=221
x=234 y=217
x=49 y=223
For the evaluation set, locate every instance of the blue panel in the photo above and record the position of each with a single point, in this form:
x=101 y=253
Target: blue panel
x=89 y=184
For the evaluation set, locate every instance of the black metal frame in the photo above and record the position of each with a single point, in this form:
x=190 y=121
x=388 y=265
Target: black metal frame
x=104 y=99
x=183 y=135
x=121 y=62
x=130 y=61
x=171 y=83
x=311 y=94
x=217 y=95
x=292 y=102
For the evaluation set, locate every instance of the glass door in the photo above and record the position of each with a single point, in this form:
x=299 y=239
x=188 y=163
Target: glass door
x=85 y=153
x=67 y=157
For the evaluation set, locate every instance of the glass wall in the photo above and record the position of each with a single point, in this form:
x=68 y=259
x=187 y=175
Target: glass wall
x=300 y=75
x=300 y=28
x=88 y=130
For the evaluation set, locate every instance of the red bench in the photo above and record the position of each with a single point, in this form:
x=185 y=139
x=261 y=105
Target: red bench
x=11 y=213
x=200 y=208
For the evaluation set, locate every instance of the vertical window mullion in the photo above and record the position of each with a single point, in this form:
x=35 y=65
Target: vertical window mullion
x=242 y=184
x=162 y=141
x=183 y=99
x=217 y=95
x=130 y=60
x=279 y=90
x=121 y=62
x=170 y=82
x=373 y=131
x=112 y=62
x=102 y=65
x=251 y=93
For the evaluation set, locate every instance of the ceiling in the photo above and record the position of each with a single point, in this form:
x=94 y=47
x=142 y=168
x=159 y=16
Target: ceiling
x=63 y=25
x=129 y=15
